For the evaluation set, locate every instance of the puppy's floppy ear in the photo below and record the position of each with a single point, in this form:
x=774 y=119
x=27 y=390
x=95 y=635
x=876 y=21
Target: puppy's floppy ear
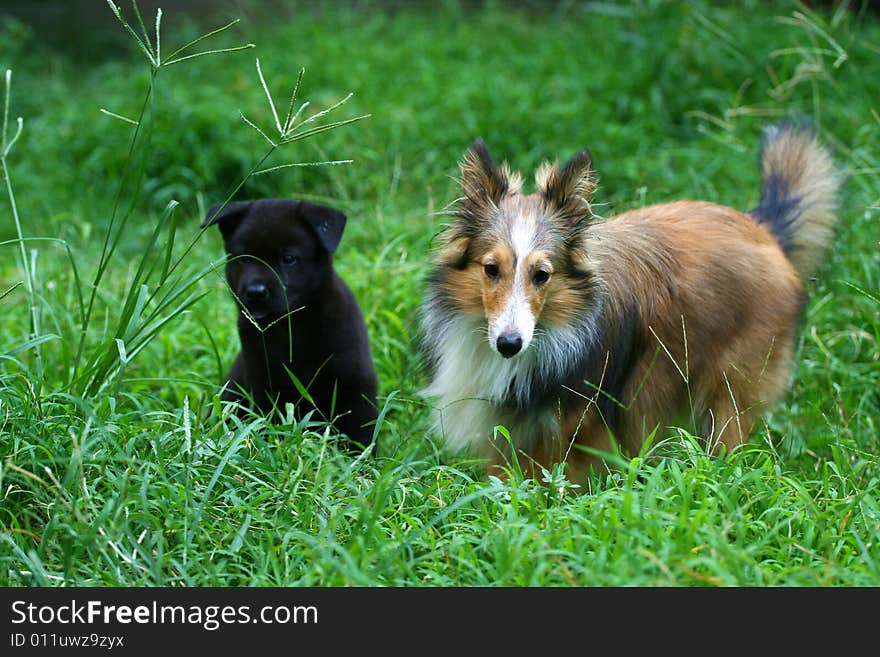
x=328 y=223
x=226 y=217
x=568 y=190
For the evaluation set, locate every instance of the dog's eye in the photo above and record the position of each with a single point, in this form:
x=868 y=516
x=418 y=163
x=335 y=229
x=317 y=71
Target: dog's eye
x=289 y=259
x=491 y=270
x=540 y=277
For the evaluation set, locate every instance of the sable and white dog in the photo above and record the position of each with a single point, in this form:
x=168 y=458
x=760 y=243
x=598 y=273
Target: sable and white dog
x=577 y=334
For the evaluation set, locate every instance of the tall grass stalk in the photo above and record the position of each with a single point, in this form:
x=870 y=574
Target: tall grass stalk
x=133 y=324
x=28 y=270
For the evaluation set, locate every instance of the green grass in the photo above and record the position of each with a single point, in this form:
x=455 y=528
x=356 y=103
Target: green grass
x=124 y=473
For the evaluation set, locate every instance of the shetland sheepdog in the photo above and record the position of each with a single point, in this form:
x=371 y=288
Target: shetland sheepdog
x=582 y=336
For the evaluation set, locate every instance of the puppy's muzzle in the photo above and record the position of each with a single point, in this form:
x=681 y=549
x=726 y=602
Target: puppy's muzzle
x=256 y=293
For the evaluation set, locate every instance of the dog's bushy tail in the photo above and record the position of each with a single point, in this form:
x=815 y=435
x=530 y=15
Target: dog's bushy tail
x=799 y=188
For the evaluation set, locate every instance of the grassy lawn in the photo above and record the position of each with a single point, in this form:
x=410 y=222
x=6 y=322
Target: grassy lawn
x=116 y=328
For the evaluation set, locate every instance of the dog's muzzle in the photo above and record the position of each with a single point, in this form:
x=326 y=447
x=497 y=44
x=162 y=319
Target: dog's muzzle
x=508 y=344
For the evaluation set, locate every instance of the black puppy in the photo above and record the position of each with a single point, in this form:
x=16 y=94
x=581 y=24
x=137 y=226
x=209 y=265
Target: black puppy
x=297 y=316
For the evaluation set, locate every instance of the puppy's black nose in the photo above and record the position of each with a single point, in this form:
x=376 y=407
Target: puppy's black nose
x=508 y=344
x=256 y=292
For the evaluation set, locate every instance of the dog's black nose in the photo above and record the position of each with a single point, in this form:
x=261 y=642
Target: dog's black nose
x=508 y=345
x=256 y=292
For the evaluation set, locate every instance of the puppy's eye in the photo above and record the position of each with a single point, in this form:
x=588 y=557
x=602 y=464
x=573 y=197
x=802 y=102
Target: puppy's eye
x=540 y=277
x=491 y=270
x=289 y=259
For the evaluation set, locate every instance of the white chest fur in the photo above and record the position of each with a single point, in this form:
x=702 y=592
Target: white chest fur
x=476 y=389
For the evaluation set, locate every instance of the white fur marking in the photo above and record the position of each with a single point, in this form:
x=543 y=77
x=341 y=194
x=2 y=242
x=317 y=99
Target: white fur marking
x=517 y=319
x=522 y=236
x=475 y=387
x=472 y=384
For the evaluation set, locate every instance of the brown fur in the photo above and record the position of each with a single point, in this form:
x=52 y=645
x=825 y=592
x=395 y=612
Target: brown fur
x=720 y=303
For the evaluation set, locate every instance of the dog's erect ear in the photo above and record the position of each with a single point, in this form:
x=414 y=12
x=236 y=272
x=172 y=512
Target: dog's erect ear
x=568 y=190
x=481 y=178
x=484 y=184
x=327 y=223
x=226 y=217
